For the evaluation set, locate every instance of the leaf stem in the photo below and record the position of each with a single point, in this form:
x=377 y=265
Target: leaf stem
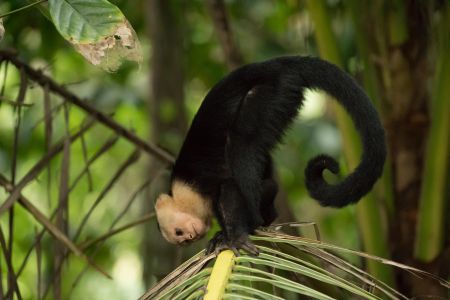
x=219 y=276
x=22 y=8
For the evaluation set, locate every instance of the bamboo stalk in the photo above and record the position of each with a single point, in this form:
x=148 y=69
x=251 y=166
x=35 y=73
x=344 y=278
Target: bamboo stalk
x=369 y=220
x=397 y=20
x=370 y=83
x=431 y=222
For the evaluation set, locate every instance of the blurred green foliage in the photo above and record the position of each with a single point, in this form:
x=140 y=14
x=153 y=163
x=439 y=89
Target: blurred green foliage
x=262 y=29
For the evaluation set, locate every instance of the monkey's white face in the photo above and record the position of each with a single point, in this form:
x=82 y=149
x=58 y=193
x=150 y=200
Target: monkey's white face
x=178 y=226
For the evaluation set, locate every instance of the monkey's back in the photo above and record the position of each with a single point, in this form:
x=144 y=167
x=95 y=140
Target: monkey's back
x=248 y=111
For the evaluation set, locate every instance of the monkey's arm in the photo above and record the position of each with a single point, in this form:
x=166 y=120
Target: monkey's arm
x=235 y=219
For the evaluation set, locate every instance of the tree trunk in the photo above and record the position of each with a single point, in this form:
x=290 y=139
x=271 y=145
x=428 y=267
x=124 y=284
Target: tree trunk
x=408 y=71
x=167 y=120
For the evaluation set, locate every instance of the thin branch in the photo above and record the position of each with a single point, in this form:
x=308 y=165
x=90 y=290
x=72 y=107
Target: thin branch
x=105 y=147
x=219 y=17
x=40 y=217
x=15 y=190
x=39 y=265
x=7 y=256
x=15 y=150
x=53 y=110
x=56 y=88
x=44 y=221
x=38 y=238
x=37 y=168
x=86 y=166
x=131 y=159
x=129 y=203
x=13 y=103
x=20 y=100
x=64 y=179
x=63 y=212
x=48 y=137
x=22 y=8
x=1 y=280
x=5 y=75
x=36 y=241
x=114 y=222
x=142 y=220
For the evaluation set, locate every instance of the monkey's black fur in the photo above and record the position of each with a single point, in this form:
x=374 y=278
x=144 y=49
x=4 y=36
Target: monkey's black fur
x=226 y=154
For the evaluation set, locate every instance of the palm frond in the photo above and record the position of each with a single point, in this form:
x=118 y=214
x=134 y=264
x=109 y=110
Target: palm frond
x=286 y=266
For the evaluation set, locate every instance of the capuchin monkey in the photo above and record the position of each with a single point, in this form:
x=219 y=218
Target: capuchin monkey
x=224 y=168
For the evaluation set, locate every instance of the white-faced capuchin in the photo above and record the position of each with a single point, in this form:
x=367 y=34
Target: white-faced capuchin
x=224 y=168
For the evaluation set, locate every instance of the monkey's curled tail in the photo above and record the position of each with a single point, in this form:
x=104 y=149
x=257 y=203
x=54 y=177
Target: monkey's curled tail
x=318 y=74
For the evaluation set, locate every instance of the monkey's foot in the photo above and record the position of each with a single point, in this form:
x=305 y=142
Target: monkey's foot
x=219 y=242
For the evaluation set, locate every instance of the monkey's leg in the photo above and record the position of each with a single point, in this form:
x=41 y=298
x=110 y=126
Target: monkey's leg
x=268 y=194
x=267 y=207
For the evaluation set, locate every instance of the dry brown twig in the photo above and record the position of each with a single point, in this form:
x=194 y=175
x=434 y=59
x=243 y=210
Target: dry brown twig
x=11 y=275
x=221 y=24
x=129 y=161
x=37 y=168
x=43 y=80
x=28 y=74
x=42 y=219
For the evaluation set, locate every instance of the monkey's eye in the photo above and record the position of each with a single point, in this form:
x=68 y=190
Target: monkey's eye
x=178 y=232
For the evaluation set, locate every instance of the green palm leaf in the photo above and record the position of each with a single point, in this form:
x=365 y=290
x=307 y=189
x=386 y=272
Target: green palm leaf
x=286 y=266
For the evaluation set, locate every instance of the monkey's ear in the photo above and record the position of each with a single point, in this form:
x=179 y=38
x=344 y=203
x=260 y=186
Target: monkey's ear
x=163 y=201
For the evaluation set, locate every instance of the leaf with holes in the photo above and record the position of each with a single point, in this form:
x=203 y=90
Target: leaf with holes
x=98 y=30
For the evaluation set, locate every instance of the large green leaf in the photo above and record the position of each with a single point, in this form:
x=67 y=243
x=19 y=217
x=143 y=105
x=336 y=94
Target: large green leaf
x=85 y=21
x=98 y=30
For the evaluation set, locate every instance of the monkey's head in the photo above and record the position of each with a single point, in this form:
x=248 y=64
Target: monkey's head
x=184 y=216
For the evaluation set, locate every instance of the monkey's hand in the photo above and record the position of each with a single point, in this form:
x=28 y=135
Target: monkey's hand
x=220 y=242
